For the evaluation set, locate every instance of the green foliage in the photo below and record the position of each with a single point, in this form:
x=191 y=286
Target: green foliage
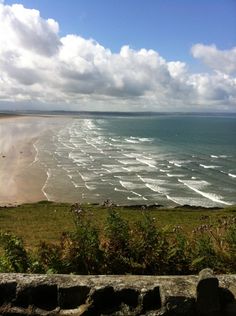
x=15 y=258
x=140 y=248
x=48 y=259
x=83 y=254
x=116 y=247
x=178 y=253
x=149 y=246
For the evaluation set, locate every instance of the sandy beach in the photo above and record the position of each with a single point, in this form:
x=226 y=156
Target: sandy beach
x=21 y=180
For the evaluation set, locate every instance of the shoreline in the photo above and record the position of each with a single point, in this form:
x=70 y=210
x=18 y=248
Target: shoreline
x=24 y=175
x=18 y=174
x=18 y=171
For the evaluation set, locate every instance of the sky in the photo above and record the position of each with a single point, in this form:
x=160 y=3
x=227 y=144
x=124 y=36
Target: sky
x=118 y=55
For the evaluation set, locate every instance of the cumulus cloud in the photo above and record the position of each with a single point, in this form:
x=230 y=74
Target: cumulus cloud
x=221 y=60
x=38 y=68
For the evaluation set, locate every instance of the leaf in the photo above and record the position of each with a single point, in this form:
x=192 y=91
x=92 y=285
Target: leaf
x=197 y=261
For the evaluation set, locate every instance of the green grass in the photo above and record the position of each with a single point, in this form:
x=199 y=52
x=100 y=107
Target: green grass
x=45 y=221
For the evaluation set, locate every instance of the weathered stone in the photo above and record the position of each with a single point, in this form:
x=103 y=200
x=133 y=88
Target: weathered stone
x=208 y=299
x=104 y=301
x=72 y=297
x=151 y=299
x=23 y=296
x=42 y=312
x=44 y=296
x=13 y=311
x=113 y=295
x=7 y=292
x=128 y=297
x=181 y=306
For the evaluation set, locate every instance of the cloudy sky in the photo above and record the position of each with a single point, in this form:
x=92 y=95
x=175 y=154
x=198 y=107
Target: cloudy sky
x=118 y=55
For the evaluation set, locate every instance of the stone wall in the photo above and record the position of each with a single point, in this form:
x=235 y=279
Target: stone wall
x=206 y=294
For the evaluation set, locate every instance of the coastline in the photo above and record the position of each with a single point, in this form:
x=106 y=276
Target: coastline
x=20 y=178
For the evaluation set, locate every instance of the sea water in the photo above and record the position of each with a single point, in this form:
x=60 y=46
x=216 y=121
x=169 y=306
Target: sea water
x=163 y=159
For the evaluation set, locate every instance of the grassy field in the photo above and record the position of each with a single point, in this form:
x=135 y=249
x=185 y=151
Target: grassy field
x=45 y=221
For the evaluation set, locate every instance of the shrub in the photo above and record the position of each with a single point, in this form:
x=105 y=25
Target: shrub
x=15 y=256
x=149 y=246
x=116 y=247
x=83 y=254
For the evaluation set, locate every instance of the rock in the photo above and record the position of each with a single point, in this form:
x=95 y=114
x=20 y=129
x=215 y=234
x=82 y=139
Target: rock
x=44 y=296
x=103 y=301
x=128 y=297
x=72 y=297
x=208 y=298
x=151 y=300
x=7 y=292
x=181 y=306
x=23 y=297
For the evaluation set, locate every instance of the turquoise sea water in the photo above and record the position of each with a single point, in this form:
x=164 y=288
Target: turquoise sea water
x=168 y=160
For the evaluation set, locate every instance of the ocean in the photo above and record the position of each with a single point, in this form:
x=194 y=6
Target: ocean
x=156 y=159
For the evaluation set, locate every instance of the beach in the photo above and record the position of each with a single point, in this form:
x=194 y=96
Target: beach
x=165 y=160
x=21 y=181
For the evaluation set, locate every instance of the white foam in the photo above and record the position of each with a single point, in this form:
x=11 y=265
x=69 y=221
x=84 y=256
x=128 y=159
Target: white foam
x=195 y=185
x=128 y=161
x=174 y=175
x=131 y=141
x=36 y=155
x=112 y=168
x=176 y=163
x=214 y=156
x=87 y=177
x=172 y=199
x=45 y=184
x=232 y=175
x=119 y=190
x=90 y=187
x=151 y=181
x=135 y=168
x=156 y=188
x=208 y=167
x=114 y=140
x=150 y=163
x=145 y=139
x=134 y=198
x=130 y=185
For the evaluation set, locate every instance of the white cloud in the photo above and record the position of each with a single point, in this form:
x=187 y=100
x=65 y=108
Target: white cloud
x=38 y=68
x=221 y=60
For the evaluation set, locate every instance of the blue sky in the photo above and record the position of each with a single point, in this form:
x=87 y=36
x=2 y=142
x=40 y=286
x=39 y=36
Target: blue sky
x=169 y=26
x=189 y=56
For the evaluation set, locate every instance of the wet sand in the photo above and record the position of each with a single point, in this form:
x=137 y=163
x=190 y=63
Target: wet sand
x=21 y=180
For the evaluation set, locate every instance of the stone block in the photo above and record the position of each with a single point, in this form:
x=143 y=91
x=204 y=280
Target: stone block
x=128 y=296
x=7 y=292
x=181 y=306
x=151 y=299
x=72 y=297
x=103 y=301
x=208 y=298
x=44 y=296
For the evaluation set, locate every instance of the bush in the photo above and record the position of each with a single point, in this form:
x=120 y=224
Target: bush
x=83 y=254
x=116 y=246
x=15 y=258
x=120 y=248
